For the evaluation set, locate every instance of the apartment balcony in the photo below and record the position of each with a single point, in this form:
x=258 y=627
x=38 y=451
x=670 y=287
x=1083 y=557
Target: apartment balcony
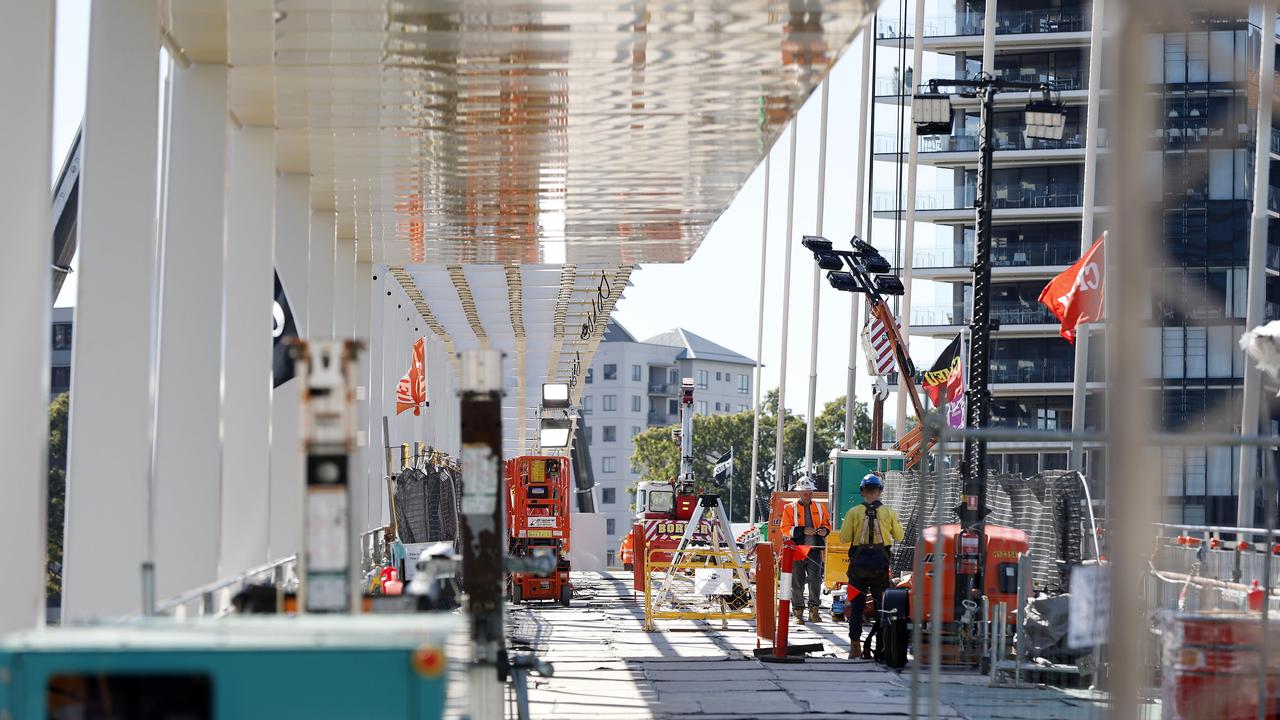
x=1025 y=371
x=1023 y=254
x=1011 y=145
x=1015 y=317
x=658 y=419
x=954 y=206
x=664 y=389
x=1062 y=27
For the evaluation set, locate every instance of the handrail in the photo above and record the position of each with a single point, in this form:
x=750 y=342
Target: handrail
x=199 y=592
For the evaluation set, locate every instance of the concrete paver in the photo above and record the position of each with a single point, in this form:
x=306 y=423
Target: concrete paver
x=607 y=666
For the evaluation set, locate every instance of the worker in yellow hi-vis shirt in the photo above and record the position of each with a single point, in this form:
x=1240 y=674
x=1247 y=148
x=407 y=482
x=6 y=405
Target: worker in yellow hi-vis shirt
x=870 y=529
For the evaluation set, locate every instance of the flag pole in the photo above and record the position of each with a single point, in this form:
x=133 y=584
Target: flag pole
x=1079 y=387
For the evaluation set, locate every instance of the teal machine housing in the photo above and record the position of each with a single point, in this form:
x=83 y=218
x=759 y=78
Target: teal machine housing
x=848 y=467
x=318 y=668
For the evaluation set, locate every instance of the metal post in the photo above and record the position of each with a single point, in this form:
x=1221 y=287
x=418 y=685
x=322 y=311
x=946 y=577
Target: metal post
x=1257 y=284
x=1079 y=388
x=482 y=526
x=939 y=570
x=989 y=38
x=817 y=283
x=786 y=308
x=861 y=182
x=755 y=423
x=26 y=71
x=909 y=237
x=1269 y=489
x=973 y=499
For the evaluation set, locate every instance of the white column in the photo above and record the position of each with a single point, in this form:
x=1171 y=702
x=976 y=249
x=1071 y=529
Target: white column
x=374 y=300
x=320 y=290
x=109 y=458
x=363 y=276
x=817 y=282
x=292 y=252
x=755 y=377
x=188 y=455
x=1255 y=305
x=861 y=177
x=248 y=285
x=344 y=289
x=786 y=306
x=1079 y=387
x=909 y=234
x=26 y=71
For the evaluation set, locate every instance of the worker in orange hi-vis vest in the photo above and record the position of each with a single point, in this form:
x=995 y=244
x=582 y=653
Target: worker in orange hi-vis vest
x=624 y=551
x=806 y=522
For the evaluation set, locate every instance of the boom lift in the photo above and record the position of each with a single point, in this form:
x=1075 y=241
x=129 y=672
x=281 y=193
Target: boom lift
x=538 y=497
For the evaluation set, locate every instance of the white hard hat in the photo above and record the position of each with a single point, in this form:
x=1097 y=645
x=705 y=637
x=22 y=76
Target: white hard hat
x=805 y=485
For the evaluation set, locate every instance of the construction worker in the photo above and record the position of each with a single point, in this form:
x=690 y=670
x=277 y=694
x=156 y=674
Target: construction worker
x=806 y=522
x=870 y=529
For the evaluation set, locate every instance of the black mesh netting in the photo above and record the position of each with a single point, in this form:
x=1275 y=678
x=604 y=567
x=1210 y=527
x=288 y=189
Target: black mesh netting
x=1045 y=505
x=427 y=505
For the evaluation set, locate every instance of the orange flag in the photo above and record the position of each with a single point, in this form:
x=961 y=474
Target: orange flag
x=411 y=391
x=1076 y=296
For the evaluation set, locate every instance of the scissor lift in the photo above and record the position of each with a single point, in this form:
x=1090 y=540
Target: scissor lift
x=538 y=496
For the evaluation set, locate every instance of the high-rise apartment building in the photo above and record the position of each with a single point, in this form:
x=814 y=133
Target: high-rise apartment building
x=633 y=385
x=1201 y=179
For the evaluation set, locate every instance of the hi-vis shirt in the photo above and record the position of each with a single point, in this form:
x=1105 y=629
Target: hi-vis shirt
x=854 y=528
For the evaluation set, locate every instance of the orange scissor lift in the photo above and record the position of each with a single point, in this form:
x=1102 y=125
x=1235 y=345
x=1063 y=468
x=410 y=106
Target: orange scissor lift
x=538 y=495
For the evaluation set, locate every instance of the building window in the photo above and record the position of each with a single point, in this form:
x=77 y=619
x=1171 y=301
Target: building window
x=702 y=407
x=62 y=336
x=702 y=379
x=635 y=373
x=635 y=430
x=717 y=407
x=609 y=465
x=609 y=496
x=610 y=403
x=718 y=377
x=590 y=375
x=60 y=379
x=673 y=377
x=586 y=404
x=610 y=433
x=588 y=432
x=743 y=408
x=611 y=526
x=610 y=372
x=635 y=403
x=672 y=408
x=610 y=558
x=744 y=384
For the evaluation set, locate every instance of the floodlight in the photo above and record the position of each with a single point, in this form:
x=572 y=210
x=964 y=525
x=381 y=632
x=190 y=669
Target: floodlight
x=555 y=396
x=828 y=261
x=889 y=285
x=842 y=280
x=1045 y=120
x=815 y=244
x=876 y=264
x=931 y=113
x=554 y=432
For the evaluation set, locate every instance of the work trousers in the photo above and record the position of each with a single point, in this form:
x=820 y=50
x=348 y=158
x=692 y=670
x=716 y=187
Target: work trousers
x=807 y=572
x=869 y=584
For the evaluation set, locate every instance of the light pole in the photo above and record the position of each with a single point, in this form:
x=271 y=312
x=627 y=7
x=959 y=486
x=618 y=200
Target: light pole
x=1044 y=120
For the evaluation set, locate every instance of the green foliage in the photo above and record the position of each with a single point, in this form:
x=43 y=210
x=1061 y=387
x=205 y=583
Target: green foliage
x=57 y=493
x=658 y=456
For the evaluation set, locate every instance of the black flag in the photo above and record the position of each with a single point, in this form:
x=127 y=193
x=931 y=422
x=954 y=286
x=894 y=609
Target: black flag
x=282 y=331
x=724 y=468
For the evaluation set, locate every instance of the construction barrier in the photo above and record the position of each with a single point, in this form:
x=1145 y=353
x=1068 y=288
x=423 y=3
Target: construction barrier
x=765 y=587
x=683 y=599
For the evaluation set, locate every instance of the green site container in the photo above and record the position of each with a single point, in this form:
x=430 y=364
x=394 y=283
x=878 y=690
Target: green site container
x=847 y=468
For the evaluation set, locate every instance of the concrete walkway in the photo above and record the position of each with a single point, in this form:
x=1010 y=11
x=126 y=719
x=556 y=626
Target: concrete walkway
x=607 y=666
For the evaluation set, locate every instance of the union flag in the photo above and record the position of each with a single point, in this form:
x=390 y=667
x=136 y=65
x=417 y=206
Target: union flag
x=411 y=391
x=1076 y=296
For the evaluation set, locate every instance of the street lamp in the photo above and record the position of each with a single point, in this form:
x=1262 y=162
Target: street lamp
x=1045 y=119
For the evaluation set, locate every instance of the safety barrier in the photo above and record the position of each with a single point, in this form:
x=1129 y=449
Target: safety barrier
x=683 y=597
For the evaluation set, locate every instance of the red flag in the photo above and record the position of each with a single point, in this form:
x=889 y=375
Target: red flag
x=1076 y=296
x=411 y=391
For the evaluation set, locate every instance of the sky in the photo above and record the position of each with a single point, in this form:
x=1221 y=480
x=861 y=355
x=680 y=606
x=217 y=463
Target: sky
x=716 y=293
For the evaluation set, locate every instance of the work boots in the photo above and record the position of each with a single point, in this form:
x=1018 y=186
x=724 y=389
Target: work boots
x=799 y=613
x=814 y=617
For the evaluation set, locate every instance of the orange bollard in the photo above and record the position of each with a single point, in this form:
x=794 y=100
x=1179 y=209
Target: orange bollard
x=764 y=592
x=784 y=599
x=639 y=556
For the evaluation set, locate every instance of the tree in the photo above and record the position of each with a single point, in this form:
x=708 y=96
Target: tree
x=57 y=494
x=657 y=454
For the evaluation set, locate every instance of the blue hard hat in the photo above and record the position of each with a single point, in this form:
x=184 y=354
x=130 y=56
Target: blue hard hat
x=872 y=480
